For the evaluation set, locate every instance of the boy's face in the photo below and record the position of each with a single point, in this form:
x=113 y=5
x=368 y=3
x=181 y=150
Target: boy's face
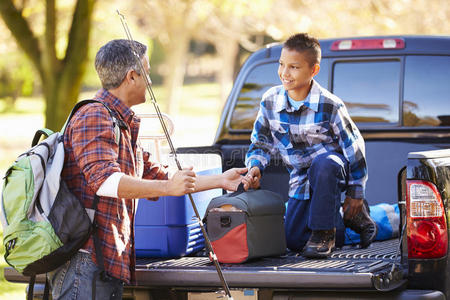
x=296 y=73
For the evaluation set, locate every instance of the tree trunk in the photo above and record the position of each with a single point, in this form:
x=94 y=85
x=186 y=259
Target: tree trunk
x=60 y=94
x=61 y=79
x=228 y=50
x=68 y=78
x=176 y=55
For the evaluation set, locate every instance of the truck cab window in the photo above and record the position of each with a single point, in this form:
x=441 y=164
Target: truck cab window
x=258 y=81
x=370 y=90
x=427 y=89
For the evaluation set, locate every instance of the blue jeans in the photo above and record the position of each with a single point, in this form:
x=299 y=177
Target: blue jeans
x=327 y=177
x=73 y=280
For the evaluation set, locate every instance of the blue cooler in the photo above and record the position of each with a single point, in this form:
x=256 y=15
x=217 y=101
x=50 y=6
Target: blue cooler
x=167 y=227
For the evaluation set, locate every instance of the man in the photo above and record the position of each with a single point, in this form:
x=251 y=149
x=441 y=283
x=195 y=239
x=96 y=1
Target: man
x=118 y=172
x=321 y=147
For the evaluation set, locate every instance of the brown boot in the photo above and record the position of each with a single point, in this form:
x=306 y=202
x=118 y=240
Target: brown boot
x=364 y=225
x=320 y=244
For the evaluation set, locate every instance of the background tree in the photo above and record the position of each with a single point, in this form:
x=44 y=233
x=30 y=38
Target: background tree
x=231 y=25
x=226 y=24
x=60 y=74
x=331 y=18
x=173 y=23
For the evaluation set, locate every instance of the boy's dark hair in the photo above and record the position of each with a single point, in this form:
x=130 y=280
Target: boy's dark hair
x=303 y=43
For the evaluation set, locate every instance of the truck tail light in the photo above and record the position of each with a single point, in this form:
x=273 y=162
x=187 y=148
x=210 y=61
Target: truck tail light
x=368 y=44
x=427 y=226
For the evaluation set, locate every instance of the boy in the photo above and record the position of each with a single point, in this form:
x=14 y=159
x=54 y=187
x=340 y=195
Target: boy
x=322 y=149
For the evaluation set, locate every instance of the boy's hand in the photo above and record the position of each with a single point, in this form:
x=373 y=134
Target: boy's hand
x=352 y=207
x=251 y=180
x=181 y=183
x=232 y=178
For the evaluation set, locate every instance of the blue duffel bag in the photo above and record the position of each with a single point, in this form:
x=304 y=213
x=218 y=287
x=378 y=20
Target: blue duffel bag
x=387 y=218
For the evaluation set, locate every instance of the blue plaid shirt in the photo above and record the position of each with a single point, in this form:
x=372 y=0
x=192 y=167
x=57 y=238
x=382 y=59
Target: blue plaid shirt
x=321 y=124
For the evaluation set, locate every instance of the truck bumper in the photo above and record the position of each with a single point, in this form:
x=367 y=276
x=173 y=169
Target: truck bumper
x=395 y=295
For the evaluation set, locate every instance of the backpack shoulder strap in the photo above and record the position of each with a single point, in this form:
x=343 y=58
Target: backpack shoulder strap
x=117 y=123
x=37 y=136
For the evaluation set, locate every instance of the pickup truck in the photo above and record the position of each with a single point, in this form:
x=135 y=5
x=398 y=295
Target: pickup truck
x=396 y=89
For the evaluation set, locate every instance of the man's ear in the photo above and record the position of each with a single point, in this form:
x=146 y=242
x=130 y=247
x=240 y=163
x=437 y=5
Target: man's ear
x=315 y=69
x=131 y=76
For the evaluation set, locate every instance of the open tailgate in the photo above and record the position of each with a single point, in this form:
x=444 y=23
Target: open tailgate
x=347 y=268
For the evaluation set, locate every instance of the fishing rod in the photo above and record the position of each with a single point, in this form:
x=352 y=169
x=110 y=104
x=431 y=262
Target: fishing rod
x=212 y=255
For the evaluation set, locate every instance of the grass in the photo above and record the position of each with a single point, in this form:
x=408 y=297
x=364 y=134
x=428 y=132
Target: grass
x=195 y=125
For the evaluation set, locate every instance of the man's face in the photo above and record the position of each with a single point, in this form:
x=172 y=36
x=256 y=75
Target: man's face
x=140 y=88
x=295 y=72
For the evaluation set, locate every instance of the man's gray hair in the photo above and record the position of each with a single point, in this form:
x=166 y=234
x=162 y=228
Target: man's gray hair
x=115 y=59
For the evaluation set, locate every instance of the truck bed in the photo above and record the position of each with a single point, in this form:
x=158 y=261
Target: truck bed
x=347 y=268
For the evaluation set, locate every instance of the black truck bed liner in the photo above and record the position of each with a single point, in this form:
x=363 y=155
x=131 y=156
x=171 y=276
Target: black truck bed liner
x=348 y=267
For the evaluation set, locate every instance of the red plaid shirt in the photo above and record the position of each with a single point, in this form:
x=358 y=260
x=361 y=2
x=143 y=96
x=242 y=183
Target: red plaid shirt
x=92 y=155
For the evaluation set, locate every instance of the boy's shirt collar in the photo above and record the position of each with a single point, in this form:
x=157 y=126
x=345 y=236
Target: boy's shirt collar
x=311 y=101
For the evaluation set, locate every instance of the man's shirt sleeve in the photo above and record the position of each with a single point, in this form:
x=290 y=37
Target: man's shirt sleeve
x=154 y=170
x=262 y=142
x=352 y=144
x=110 y=187
x=93 y=142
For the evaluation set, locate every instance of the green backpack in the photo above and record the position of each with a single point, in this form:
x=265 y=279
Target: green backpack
x=44 y=224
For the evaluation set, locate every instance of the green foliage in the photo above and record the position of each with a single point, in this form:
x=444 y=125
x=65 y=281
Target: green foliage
x=90 y=79
x=16 y=76
x=26 y=76
x=7 y=86
x=157 y=57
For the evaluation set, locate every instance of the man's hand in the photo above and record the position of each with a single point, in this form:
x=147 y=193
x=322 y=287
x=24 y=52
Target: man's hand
x=352 y=207
x=252 y=179
x=232 y=178
x=181 y=183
